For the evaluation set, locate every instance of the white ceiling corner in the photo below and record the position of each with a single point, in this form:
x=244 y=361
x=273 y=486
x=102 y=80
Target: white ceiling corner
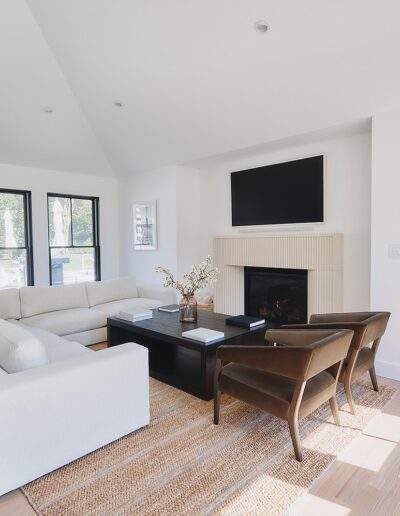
x=195 y=78
x=31 y=80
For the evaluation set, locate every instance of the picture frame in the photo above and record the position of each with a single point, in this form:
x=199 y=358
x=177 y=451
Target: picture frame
x=145 y=226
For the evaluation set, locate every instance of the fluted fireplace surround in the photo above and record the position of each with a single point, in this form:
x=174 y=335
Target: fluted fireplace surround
x=320 y=254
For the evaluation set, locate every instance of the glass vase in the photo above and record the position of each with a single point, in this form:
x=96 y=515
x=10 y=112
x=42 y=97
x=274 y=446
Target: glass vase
x=188 y=309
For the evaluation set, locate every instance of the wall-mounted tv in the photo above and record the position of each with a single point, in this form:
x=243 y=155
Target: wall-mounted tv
x=284 y=193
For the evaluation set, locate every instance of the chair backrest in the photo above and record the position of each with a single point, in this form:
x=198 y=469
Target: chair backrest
x=329 y=351
x=376 y=326
x=367 y=326
x=327 y=347
x=340 y=317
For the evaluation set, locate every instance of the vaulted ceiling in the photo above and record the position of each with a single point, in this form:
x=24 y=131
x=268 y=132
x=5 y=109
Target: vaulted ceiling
x=194 y=77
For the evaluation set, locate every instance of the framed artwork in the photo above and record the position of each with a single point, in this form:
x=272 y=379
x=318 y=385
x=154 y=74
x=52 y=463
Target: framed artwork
x=145 y=226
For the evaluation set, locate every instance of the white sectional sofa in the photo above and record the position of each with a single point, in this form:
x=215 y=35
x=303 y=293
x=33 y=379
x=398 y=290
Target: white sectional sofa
x=79 y=312
x=77 y=402
x=71 y=400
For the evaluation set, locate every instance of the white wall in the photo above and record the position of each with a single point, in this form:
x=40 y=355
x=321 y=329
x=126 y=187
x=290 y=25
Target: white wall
x=159 y=185
x=176 y=190
x=348 y=176
x=194 y=206
x=40 y=182
x=189 y=218
x=385 y=231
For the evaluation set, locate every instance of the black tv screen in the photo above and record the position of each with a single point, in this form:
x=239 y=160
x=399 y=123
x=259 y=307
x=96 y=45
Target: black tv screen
x=285 y=193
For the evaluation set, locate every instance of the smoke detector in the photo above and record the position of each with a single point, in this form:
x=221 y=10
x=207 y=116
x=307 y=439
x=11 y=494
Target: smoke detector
x=261 y=26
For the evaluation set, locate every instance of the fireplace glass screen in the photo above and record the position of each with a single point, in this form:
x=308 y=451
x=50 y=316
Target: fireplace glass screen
x=277 y=295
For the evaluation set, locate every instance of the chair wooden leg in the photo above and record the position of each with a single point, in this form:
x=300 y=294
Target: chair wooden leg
x=335 y=411
x=374 y=381
x=349 y=395
x=217 y=403
x=294 y=434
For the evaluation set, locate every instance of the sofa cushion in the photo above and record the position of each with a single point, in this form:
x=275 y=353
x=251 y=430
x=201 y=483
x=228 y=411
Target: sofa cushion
x=65 y=322
x=57 y=348
x=128 y=304
x=99 y=292
x=39 y=300
x=87 y=338
x=20 y=349
x=10 y=307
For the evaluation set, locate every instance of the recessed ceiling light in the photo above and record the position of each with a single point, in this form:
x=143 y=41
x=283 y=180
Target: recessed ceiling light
x=261 y=26
x=118 y=103
x=48 y=110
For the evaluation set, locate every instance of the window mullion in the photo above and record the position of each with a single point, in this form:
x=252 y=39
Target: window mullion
x=72 y=219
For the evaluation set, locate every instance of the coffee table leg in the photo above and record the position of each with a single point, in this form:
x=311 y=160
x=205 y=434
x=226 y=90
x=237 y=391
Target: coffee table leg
x=208 y=363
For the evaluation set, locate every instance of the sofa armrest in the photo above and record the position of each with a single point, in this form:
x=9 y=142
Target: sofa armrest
x=167 y=296
x=58 y=412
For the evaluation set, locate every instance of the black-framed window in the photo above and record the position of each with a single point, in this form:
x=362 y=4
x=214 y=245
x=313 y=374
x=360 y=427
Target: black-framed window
x=16 y=254
x=74 y=248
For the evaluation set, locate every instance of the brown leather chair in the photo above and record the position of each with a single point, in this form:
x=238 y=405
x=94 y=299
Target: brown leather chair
x=368 y=328
x=289 y=381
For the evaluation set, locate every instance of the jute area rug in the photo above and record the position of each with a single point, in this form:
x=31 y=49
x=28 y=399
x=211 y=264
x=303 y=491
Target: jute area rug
x=184 y=465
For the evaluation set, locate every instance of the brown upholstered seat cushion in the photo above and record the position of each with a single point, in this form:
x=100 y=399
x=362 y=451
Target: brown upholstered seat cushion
x=274 y=393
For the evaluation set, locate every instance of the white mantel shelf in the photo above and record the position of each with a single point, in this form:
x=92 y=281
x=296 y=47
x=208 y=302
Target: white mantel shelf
x=320 y=254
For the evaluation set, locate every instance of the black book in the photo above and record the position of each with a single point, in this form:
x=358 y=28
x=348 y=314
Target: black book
x=245 y=321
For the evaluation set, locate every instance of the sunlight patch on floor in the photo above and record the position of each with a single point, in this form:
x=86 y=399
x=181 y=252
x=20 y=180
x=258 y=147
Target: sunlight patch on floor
x=367 y=452
x=310 y=504
x=385 y=426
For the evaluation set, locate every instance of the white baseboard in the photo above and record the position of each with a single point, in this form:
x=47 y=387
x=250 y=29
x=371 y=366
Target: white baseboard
x=388 y=369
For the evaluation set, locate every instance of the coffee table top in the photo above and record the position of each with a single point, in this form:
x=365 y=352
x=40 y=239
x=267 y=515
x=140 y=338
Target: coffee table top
x=166 y=326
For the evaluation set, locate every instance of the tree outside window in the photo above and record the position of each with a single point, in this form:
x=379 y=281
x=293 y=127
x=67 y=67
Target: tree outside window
x=73 y=239
x=16 y=263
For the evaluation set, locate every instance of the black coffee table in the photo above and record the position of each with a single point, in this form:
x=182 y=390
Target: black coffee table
x=186 y=364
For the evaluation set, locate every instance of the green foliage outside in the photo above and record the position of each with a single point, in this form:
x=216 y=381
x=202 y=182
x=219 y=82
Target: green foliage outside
x=82 y=218
x=75 y=216
x=12 y=261
x=81 y=213
x=15 y=204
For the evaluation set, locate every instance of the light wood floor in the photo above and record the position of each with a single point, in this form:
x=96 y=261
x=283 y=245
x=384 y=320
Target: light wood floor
x=99 y=346
x=365 y=478
x=363 y=481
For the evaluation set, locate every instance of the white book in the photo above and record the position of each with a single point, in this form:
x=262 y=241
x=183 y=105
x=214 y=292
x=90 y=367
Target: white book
x=130 y=319
x=135 y=315
x=169 y=308
x=203 y=335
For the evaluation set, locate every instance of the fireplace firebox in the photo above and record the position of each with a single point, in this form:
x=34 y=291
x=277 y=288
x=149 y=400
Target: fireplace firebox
x=277 y=295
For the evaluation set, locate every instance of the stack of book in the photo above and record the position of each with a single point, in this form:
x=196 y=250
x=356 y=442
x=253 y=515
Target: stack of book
x=135 y=315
